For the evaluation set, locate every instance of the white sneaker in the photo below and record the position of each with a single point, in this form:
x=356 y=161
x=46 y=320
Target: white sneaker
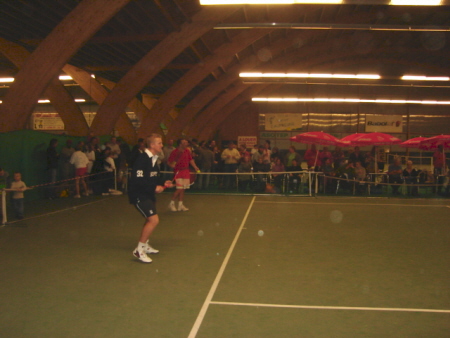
x=77 y=196
x=150 y=250
x=142 y=256
x=172 y=206
x=181 y=207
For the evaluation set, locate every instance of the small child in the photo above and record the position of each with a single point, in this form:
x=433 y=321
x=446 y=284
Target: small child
x=18 y=187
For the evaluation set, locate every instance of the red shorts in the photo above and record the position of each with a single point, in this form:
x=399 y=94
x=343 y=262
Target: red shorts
x=80 y=172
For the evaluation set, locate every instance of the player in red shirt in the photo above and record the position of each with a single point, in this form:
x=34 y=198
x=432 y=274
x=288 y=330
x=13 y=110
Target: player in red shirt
x=179 y=160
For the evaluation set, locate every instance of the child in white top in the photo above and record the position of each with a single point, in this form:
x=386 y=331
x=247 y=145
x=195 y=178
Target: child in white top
x=18 y=187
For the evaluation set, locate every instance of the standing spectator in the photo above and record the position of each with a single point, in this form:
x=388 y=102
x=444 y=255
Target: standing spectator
x=231 y=158
x=356 y=156
x=439 y=166
x=167 y=149
x=67 y=169
x=395 y=176
x=258 y=154
x=311 y=157
x=115 y=150
x=261 y=179
x=361 y=176
x=245 y=166
x=267 y=150
x=243 y=151
x=52 y=167
x=18 y=187
x=217 y=165
x=135 y=152
x=179 y=160
x=381 y=158
x=212 y=145
x=80 y=161
x=4 y=183
x=205 y=165
x=290 y=156
x=275 y=154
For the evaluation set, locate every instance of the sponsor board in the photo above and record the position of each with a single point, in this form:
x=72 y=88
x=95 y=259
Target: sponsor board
x=249 y=141
x=384 y=123
x=283 y=121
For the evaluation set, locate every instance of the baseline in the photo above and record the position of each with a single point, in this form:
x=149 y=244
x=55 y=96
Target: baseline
x=370 y=204
x=317 y=307
x=215 y=284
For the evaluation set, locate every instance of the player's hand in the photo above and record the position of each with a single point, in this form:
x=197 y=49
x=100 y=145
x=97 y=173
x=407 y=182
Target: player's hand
x=159 y=189
x=168 y=184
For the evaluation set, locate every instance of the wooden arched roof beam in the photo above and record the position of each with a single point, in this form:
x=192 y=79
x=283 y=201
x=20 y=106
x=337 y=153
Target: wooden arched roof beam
x=98 y=93
x=207 y=117
x=70 y=113
x=228 y=109
x=286 y=61
x=222 y=55
x=45 y=63
x=152 y=63
x=211 y=92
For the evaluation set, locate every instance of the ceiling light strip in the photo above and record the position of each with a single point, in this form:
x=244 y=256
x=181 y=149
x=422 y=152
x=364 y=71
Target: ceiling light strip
x=310 y=75
x=349 y=100
x=325 y=2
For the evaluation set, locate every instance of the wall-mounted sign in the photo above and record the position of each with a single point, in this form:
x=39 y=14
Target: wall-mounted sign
x=249 y=141
x=47 y=121
x=384 y=123
x=283 y=121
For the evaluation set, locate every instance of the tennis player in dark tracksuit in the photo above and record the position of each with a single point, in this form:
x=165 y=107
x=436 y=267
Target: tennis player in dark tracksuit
x=145 y=182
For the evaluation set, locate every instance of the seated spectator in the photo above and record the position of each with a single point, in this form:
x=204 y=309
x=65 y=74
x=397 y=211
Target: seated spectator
x=328 y=173
x=346 y=174
x=395 y=176
x=258 y=154
x=261 y=167
x=245 y=166
x=411 y=177
x=294 y=178
x=277 y=174
x=360 y=176
x=323 y=156
x=275 y=154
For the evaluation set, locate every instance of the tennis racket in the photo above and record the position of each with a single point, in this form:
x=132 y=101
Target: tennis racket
x=173 y=183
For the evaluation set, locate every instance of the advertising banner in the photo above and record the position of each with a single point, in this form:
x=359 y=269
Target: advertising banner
x=249 y=141
x=283 y=121
x=384 y=123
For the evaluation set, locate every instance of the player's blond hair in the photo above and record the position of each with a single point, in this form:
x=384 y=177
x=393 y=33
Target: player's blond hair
x=150 y=139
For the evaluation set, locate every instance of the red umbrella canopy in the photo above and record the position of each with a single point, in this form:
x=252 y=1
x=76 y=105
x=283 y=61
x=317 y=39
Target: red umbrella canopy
x=414 y=143
x=375 y=139
x=435 y=141
x=316 y=137
x=347 y=140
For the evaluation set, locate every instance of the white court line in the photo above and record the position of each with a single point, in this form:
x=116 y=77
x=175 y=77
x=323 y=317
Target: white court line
x=371 y=204
x=213 y=289
x=313 y=307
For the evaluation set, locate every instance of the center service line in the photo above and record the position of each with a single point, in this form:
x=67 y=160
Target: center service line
x=213 y=289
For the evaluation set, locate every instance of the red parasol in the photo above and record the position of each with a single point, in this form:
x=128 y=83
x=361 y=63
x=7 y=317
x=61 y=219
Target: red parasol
x=347 y=140
x=375 y=139
x=435 y=141
x=413 y=142
x=316 y=137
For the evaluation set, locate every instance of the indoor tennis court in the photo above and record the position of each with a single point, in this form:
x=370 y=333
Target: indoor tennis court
x=232 y=266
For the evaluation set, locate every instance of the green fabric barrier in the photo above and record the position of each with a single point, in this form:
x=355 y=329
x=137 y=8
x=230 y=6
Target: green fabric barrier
x=25 y=151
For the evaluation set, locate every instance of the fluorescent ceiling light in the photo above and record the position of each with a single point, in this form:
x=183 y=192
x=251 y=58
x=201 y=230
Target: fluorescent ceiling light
x=306 y=75
x=425 y=78
x=6 y=79
x=267 y=2
x=415 y=2
x=342 y=100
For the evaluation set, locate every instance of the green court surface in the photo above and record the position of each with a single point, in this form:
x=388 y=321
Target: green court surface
x=232 y=266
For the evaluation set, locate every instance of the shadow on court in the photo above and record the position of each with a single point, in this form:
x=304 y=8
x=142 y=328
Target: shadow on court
x=295 y=267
